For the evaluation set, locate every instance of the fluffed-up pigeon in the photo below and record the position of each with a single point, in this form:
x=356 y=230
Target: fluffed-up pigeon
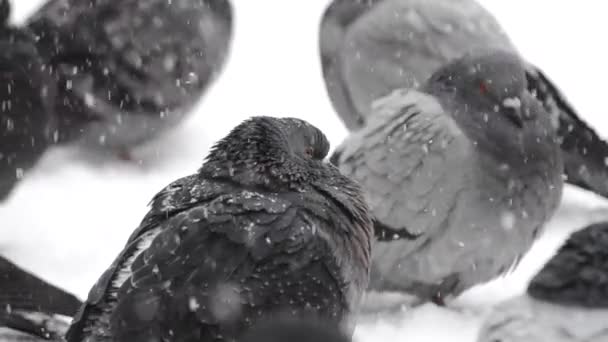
x=128 y=70
x=264 y=227
x=567 y=301
x=370 y=48
x=460 y=175
x=31 y=308
x=26 y=103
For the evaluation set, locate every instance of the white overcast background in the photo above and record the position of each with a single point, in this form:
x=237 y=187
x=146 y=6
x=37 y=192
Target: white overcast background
x=69 y=218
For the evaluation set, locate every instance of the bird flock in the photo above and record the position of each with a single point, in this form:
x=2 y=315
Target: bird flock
x=457 y=154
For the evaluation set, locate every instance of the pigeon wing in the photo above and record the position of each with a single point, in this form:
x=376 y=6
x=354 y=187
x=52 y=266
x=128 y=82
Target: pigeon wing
x=237 y=254
x=411 y=159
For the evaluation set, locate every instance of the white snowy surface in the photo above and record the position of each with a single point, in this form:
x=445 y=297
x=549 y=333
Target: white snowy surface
x=70 y=217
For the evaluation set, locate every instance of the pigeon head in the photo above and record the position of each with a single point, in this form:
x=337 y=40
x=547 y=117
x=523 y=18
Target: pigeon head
x=486 y=95
x=262 y=149
x=490 y=83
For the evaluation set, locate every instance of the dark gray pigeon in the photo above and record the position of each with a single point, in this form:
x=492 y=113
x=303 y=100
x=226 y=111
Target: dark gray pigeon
x=370 y=48
x=265 y=226
x=129 y=70
x=567 y=301
x=468 y=167
x=30 y=307
x=26 y=95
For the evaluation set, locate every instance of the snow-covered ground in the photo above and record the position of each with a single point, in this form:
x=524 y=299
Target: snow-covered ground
x=70 y=217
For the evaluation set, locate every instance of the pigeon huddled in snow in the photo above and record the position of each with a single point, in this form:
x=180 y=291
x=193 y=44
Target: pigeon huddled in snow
x=567 y=301
x=128 y=70
x=370 y=48
x=265 y=227
x=26 y=98
x=460 y=175
x=29 y=306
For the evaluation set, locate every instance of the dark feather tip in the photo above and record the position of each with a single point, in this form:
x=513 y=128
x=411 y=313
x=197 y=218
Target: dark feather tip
x=383 y=232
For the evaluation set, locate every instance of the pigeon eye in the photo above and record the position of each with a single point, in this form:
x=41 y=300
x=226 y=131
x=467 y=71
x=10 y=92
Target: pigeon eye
x=309 y=152
x=483 y=88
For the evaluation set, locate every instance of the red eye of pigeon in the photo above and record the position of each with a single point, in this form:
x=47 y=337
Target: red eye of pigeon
x=483 y=88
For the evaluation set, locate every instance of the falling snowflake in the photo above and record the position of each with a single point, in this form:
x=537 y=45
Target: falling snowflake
x=507 y=220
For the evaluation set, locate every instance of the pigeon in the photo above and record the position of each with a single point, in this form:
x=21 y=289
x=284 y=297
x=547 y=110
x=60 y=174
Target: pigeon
x=460 y=175
x=26 y=104
x=265 y=226
x=370 y=48
x=282 y=329
x=129 y=70
x=567 y=301
x=29 y=306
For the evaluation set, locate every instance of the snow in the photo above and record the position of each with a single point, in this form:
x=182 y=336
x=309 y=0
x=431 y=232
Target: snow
x=73 y=213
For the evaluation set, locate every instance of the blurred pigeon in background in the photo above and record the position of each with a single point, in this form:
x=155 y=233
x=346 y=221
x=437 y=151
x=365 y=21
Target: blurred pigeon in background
x=460 y=175
x=370 y=48
x=128 y=70
x=265 y=226
x=26 y=95
x=283 y=329
x=29 y=306
x=567 y=301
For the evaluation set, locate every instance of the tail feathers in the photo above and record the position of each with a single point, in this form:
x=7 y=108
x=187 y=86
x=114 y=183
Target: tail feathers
x=585 y=153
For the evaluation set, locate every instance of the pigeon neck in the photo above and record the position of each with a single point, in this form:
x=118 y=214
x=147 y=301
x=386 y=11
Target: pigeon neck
x=489 y=131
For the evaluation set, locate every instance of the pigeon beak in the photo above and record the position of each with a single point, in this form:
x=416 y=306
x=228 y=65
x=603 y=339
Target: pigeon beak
x=514 y=115
x=511 y=107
